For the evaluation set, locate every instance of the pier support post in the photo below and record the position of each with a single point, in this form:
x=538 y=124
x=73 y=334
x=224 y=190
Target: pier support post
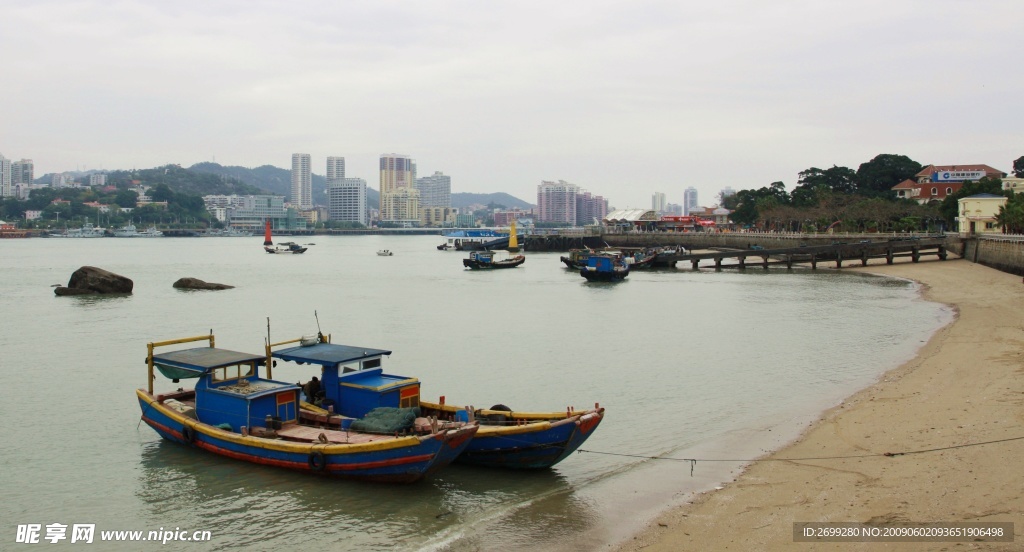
x=839 y=259
x=915 y=254
x=718 y=263
x=743 y=262
x=764 y=261
x=864 y=258
x=888 y=256
x=814 y=261
x=942 y=253
x=694 y=263
x=789 y=262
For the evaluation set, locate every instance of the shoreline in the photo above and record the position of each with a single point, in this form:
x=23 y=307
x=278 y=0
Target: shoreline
x=963 y=386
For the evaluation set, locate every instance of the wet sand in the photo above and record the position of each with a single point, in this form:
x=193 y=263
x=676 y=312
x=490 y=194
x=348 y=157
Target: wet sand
x=965 y=386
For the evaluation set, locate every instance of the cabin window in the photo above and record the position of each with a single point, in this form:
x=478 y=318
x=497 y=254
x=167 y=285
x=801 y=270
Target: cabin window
x=228 y=373
x=373 y=363
x=409 y=397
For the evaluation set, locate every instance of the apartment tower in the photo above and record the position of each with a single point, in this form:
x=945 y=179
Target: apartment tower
x=302 y=181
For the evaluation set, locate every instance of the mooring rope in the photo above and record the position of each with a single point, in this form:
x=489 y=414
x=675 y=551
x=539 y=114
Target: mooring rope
x=693 y=461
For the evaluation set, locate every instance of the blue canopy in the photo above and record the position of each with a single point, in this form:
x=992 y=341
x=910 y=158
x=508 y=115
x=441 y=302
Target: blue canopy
x=192 y=363
x=328 y=354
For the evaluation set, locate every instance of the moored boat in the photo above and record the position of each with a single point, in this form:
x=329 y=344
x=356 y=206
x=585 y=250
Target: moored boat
x=577 y=258
x=283 y=247
x=234 y=412
x=605 y=267
x=486 y=260
x=469 y=240
x=86 y=231
x=385 y=253
x=354 y=383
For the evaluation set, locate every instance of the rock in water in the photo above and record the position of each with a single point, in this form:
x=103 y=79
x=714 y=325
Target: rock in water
x=196 y=283
x=90 y=280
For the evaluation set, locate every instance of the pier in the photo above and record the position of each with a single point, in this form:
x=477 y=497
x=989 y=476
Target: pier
x=813 y=254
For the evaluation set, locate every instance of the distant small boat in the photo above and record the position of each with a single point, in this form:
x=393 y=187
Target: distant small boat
x=605 y=267
x=385 y=253
x=229 y=233
x=283 y=247
x=485 y=260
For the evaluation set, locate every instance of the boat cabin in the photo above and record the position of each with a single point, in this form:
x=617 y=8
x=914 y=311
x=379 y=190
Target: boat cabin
x=603 y=262
x=352 y=379
x=230 y=391
x=482 y=257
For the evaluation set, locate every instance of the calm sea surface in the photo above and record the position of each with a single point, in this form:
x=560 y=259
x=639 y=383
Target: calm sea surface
x=706 y=365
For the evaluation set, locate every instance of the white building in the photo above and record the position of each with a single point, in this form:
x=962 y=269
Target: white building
x=689 y=200
x=5 y=177
x=556 y=202
x=335 y=168
x=302 y=181
x=658 y=202
x=346 y=200
x=23 y=172
x=97 y=179
x=435 y=190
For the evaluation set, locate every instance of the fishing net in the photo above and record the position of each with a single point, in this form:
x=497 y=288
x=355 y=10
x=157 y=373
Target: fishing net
x=387 y=420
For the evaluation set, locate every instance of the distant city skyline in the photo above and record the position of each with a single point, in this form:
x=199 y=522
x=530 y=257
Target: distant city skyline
x=704 y=93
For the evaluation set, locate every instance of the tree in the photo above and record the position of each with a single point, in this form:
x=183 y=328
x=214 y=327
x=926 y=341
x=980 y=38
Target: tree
x=1011 y=215
x=1018 y=167
x=877 y=177
x=126 y=198
x=837 y=179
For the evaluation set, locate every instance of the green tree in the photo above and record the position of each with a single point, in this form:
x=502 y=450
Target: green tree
x=837 y=179
x=126 y=198
x=1018 y=167
x=877 y=177
x=1011 y=215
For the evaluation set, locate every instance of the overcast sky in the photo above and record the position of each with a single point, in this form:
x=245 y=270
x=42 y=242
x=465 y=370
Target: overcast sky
x=621 y=98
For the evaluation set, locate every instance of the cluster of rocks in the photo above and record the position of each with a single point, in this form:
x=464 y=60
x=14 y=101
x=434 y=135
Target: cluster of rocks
x=90 y=280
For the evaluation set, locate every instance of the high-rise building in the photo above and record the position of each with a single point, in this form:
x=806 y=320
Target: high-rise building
x=689 y=200
x=23 y=172
x=435 y=190
x=346 y=199
x=590 y=209
x=399 y=199
x=5 y=177
x=97 y=179
x=658 y=202
x=727 y=191
x=302 y=181
x=556 y=202
x=335 y=168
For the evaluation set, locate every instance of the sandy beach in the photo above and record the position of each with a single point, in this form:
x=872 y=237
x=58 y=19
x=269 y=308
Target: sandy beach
x=965 y=386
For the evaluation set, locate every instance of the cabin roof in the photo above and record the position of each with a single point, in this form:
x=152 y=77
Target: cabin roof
x=328 y=354
x=204 y=358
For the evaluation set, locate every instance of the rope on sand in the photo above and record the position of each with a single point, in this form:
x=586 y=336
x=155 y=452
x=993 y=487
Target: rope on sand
x=693 y=461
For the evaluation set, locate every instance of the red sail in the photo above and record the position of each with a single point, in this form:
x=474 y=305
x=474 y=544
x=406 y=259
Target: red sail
x=266 y=235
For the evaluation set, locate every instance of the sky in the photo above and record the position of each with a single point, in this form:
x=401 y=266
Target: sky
x=623 y=99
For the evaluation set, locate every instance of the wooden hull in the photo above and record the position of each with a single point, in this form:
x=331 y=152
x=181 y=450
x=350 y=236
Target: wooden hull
x=510 y=263
x=604 y=276
x=391 y=459
x=525 y=440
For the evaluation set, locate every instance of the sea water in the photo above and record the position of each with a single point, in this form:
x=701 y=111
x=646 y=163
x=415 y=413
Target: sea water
x=708 y=365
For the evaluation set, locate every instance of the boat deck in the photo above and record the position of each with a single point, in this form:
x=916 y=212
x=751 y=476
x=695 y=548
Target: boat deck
x=295 y=432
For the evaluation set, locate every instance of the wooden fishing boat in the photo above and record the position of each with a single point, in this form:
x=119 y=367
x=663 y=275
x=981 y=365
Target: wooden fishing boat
x=485 y=260
x=577 y=258
x=385 y=253
x=605 y=267
x=284 y=247
x=234 y=412
x=354 y=383
x=520 y=440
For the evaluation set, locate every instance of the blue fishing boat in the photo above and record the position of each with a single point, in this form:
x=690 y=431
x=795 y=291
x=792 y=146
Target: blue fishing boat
x=234 y=412
x=605 y=267
x=354 y=384
x=485 y=259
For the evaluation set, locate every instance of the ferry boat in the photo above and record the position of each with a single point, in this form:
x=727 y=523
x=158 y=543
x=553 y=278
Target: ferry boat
x=354 y=383
x=234 y=412
x=469 y=240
